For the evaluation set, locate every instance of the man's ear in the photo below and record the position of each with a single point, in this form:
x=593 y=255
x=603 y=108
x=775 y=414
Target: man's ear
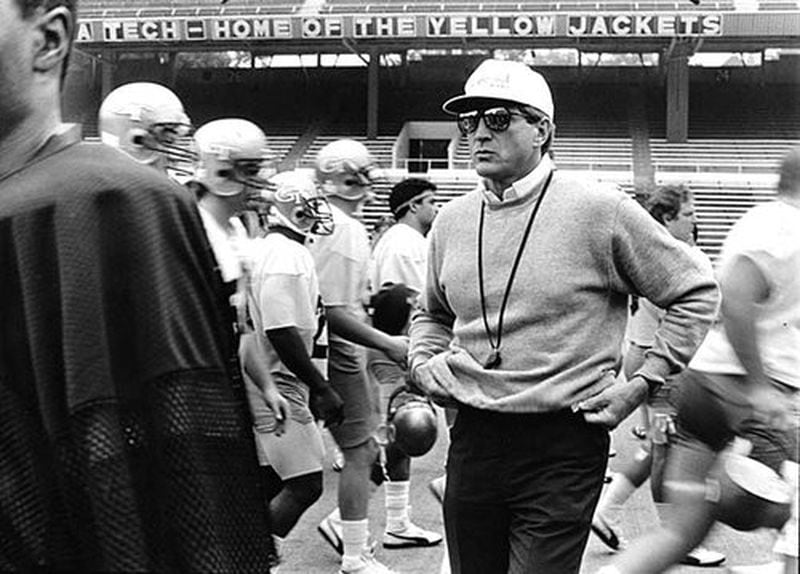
x=55 y=28
x=543 y=128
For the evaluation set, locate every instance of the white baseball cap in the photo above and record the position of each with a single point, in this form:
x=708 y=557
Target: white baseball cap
x=506 y=81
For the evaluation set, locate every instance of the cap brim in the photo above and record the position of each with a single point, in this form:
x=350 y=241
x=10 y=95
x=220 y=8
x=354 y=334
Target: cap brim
x=465 y=103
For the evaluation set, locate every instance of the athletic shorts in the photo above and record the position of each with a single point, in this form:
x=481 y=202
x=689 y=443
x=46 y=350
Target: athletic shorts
x=348 y=376
x=714 y=408
x=298 y=451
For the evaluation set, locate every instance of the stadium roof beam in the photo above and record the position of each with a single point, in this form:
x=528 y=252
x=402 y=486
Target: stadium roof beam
x=352 y=47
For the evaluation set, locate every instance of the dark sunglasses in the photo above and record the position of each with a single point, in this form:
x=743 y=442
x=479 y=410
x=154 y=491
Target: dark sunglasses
x=496 y=119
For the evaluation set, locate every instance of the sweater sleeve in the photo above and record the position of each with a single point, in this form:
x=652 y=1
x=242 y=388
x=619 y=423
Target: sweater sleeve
x=431 y=327
x=648 y=261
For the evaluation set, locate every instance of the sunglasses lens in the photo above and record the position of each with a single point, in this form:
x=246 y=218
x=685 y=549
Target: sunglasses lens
x=468 y=122
x=497 y=119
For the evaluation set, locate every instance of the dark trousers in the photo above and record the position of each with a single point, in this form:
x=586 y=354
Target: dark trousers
x=521 y=491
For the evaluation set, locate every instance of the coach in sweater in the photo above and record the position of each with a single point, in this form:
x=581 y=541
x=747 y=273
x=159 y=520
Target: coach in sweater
x=524 y=314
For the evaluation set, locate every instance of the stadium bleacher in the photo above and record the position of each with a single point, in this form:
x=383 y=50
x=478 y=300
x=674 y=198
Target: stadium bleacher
x=457 y=6
x=381 y=148
x=719 y=205
x=718 y=155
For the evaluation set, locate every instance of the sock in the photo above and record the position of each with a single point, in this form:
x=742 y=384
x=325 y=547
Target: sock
x=335 y=516
x=397 y=505
x=619 y=491
x=354 y=539
x=665 y=513
x=278 y=542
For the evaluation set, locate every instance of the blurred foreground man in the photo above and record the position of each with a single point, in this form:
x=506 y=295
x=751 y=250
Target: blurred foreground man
x=125 y=444
x=743 y=383
x=524 y=311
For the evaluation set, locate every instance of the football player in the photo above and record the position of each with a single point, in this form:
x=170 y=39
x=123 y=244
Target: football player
x=345 y=171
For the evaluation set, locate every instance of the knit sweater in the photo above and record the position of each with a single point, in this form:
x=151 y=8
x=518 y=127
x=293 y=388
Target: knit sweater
x=589 y=249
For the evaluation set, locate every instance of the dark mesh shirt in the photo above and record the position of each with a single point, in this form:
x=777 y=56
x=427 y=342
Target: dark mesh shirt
x=125 y=441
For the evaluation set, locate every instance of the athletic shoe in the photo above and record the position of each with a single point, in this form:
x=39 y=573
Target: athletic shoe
x=703 y=557
x=437 y=486
x=332 y=533
x=606 y=534
x=412 y=536
x=338 y=460
x=367 y=565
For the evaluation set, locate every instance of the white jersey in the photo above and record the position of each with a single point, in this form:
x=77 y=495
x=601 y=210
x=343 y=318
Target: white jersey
x=231 y=247
x=228 y=245
x=342 y=262
x=284 y=292
x=400 y=256
x=769 y=236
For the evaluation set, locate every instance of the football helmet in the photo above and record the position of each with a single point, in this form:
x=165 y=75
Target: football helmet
x=147 y=121
x=749 y=490
x=345 y=168
x=411 y=421
x=297 y=203
x=231 y=154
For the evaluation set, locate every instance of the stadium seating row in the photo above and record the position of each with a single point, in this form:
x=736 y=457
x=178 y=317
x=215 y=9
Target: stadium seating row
x=151 y=8
x=718 y=204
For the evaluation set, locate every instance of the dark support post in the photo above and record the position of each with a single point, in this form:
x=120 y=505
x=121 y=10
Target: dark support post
x=678 y=92
x=107 y=65
x=373 y=77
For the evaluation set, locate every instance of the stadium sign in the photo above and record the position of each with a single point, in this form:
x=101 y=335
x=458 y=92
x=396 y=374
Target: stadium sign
x=248 y=28
x=645 y=25
x=316 y=27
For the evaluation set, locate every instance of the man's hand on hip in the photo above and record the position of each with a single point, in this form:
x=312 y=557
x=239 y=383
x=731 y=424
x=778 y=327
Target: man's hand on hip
x=613 y=404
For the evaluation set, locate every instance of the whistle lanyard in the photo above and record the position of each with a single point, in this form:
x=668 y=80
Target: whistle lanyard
x=494 y=357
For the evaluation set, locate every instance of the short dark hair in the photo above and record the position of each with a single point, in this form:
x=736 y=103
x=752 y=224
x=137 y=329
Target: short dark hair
x=666 y=201
x=29 y=7
x=404 y=193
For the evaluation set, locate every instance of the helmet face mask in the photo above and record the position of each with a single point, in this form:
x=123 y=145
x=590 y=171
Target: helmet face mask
x=244 y=171
x=147 y=121
x=318 y=211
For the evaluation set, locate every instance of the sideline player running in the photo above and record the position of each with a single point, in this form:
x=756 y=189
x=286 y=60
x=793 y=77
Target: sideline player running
x=672 y=206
